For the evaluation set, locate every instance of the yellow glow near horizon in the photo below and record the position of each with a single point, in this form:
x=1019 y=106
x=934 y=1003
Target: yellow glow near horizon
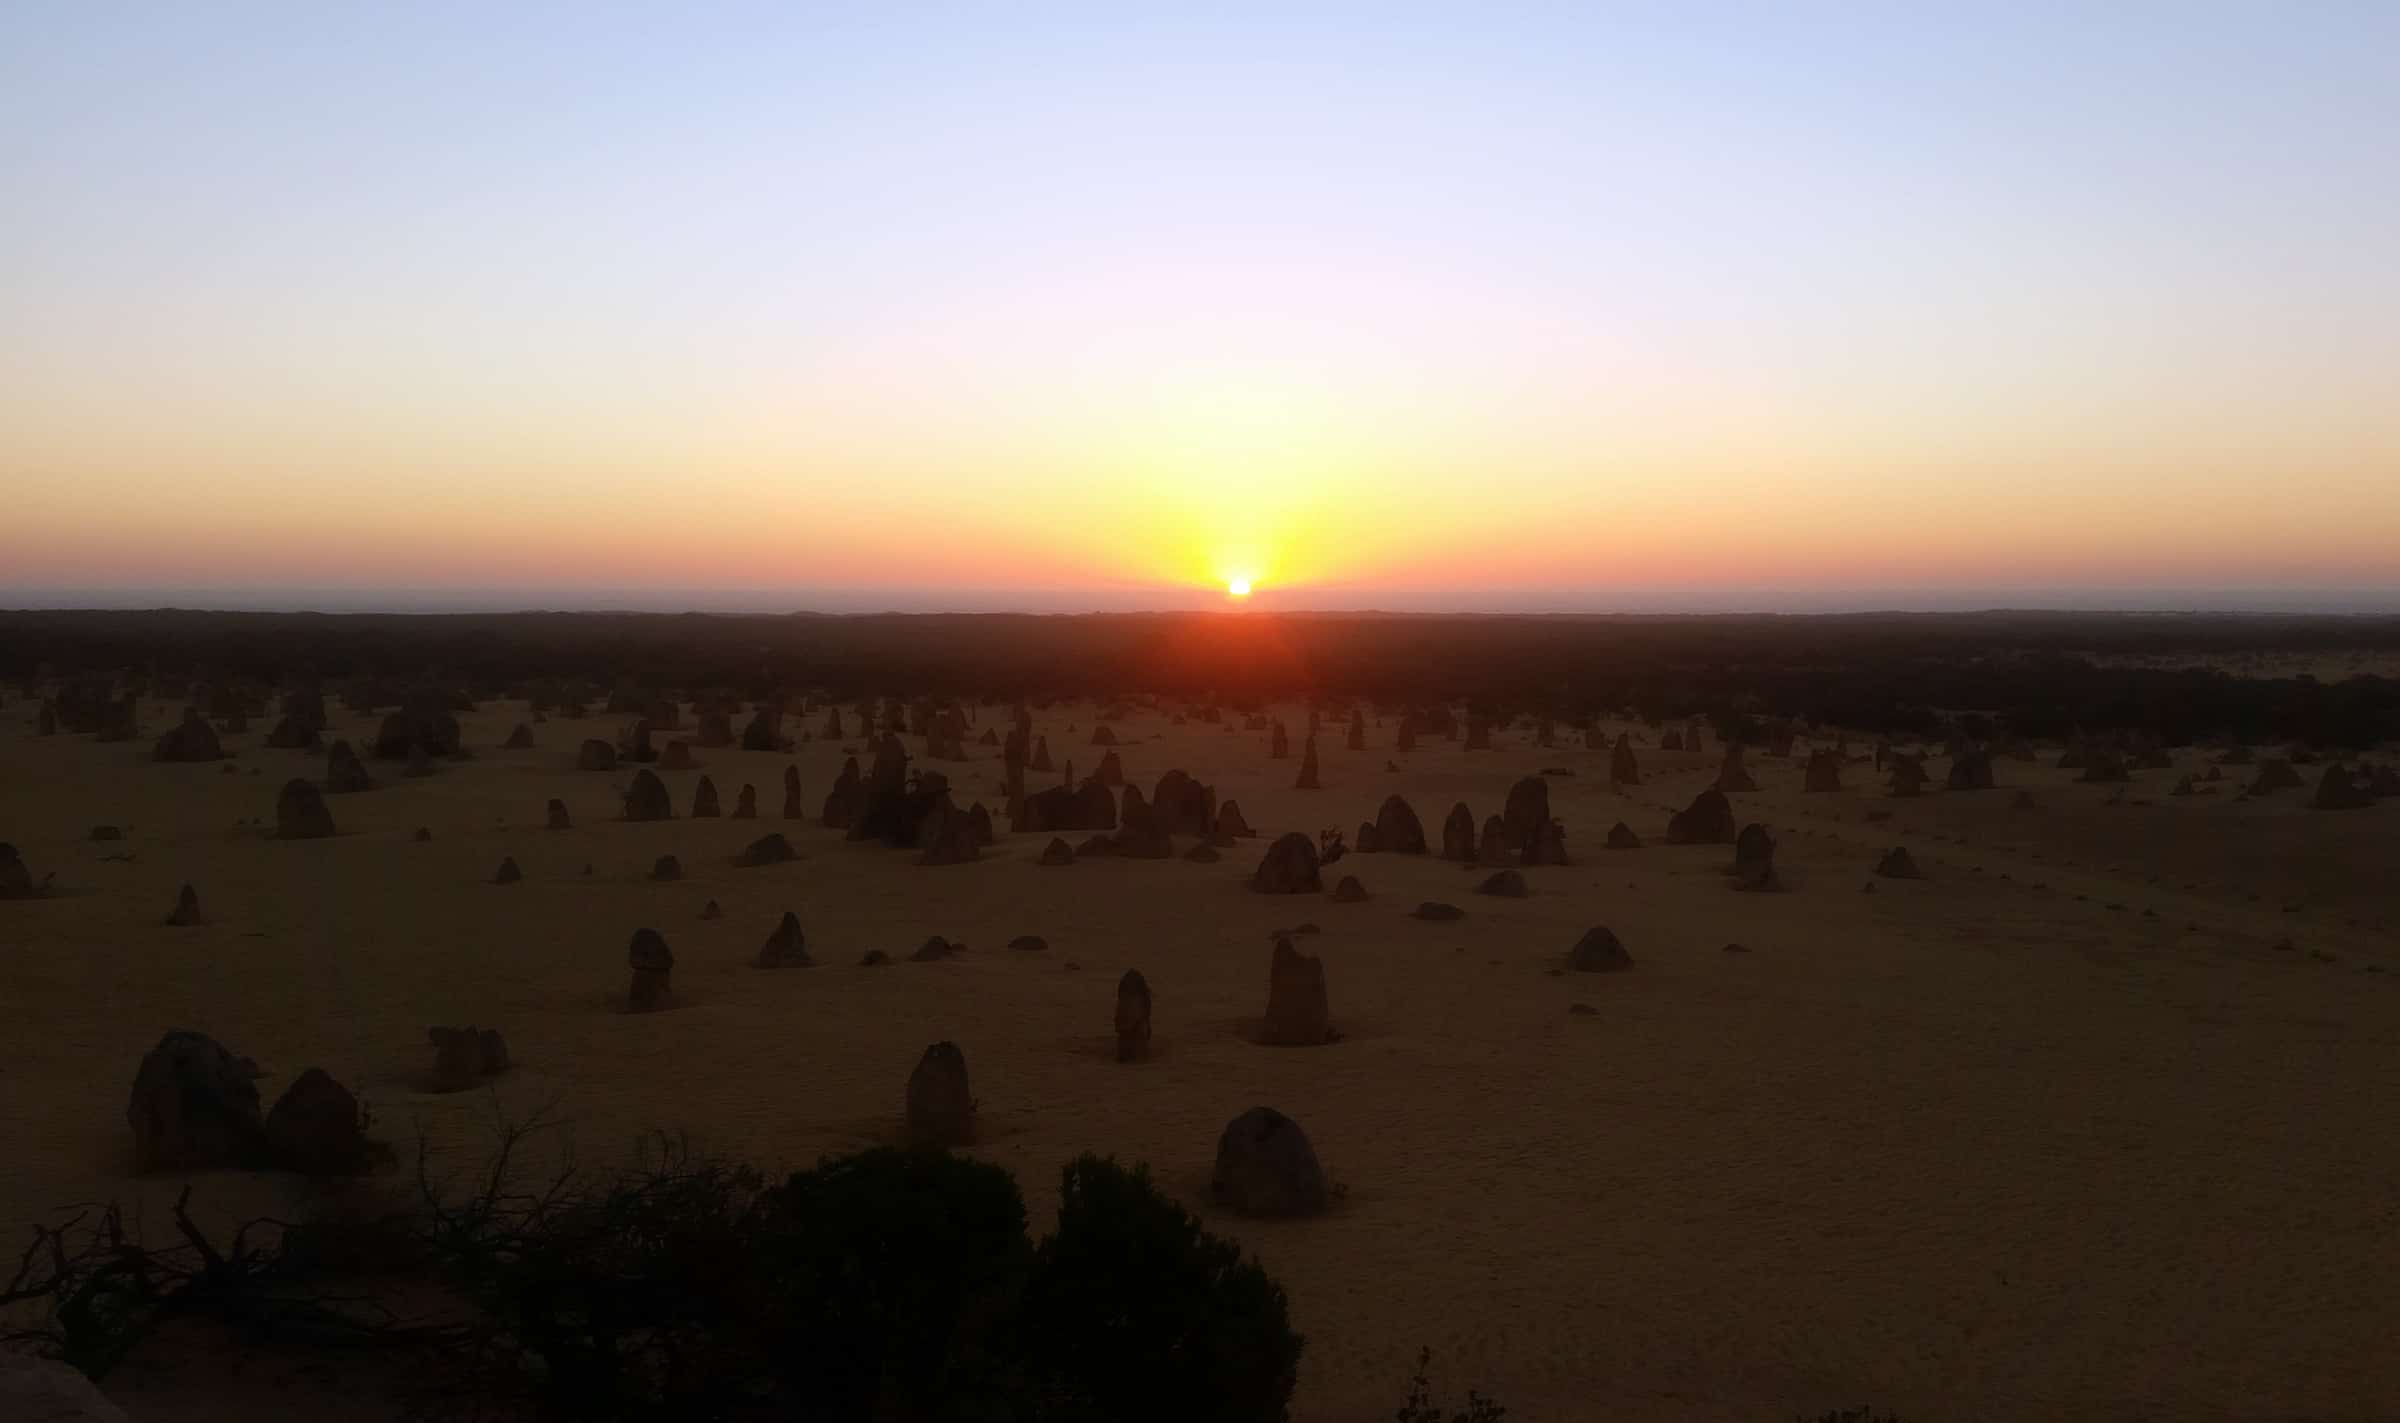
x=1238 y=585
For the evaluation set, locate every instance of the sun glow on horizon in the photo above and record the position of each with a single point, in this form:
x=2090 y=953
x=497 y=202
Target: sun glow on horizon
x=1238 y=585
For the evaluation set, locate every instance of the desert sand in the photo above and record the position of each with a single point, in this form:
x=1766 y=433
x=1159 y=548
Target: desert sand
x=2093 y=1121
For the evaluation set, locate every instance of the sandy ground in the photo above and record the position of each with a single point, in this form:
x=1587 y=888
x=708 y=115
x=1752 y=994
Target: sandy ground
x=2058 y=1132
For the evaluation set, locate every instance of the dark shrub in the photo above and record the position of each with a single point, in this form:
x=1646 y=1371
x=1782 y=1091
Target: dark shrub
x=1134 y=1311
x=636 y=1299
x=889 y=1276
x=1419 y=1407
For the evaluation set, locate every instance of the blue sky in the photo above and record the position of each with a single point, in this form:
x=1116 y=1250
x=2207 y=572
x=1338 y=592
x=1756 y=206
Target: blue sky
x=1210 y=280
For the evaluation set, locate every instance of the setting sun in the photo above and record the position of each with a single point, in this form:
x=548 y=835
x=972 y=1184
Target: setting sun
x=1238 y=587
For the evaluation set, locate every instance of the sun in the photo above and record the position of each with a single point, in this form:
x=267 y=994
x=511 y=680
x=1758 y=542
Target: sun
x=1238 y=586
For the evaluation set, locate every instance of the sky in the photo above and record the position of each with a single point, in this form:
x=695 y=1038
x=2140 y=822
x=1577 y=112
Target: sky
x=1484 y=307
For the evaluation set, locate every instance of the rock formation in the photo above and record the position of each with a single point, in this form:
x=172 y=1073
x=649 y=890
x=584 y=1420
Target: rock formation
x=1356 y=740
x=1970 y=770
x=1057 y=852
x=1289 y=867
x=194 y=1106
x=1548 y=845
x=193 y=739
x=786 y=946
x=652 y=961
x=316 y=1129
x=1495 y=847
x=2274 y=774
x=1133 y=1016
x=1307 y=780
x=947 y=835
x=1824 y=770
x=520 y=739
x=558 y=815
x=1622 y=769
x=1297 y=1014
x=1754 y=858
x=1507 y=884
x=2337 y=789
x=1621 y=837
x=1458 y=834
x=424 y=722
x=287 y=735
x=1708 y=820
x=769 y=849
x=1732 y=775
x=764 y=732
x=666 y=869
x=1528 y=810
x=646 y=799
x=1142 y=836
x=2105 y=767
x=464 y=1057
x=1230 y=824
x=1348 y=890
x=1184 y=806
x=508 y=873
x=745 y=803
x=1897 y=863
x=16 y=881
x=300 y=813
x=1397 y=829
x=1266 y=1167
x=1598 y=951
x=186 y=912
x=344 y=772
x=941 y=1109
x=704 y=800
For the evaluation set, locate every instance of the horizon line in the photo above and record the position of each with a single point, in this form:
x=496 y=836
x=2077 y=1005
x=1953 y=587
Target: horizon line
x=1530 y=604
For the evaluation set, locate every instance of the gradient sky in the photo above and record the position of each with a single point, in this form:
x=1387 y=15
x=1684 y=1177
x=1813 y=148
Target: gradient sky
x=1480 y=306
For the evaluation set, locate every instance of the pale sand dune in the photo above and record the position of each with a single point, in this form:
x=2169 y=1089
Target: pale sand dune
x=1966 y=1148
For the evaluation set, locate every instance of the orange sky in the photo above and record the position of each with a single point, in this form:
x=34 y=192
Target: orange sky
x=1409 y=309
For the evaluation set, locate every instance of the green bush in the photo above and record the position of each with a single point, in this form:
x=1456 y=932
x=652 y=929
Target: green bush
x=1134 y=1311
x=889 y=1284
x=888 y=1277
x=635 y=1297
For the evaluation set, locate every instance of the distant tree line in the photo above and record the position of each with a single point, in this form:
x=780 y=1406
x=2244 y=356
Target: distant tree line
x=2042 y=675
